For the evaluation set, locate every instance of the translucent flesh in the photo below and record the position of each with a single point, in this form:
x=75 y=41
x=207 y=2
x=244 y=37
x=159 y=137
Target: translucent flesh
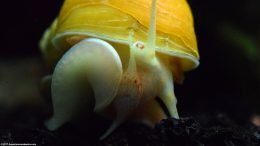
x=131 y=92
x=137 y=92
x=79 y=80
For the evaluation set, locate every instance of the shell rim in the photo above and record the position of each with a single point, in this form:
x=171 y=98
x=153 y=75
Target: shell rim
x=182 y=55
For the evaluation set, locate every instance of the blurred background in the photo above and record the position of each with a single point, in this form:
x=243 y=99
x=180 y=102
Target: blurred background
x=227 y=80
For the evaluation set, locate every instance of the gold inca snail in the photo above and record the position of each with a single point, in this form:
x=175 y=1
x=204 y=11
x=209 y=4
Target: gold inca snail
x=121 y=54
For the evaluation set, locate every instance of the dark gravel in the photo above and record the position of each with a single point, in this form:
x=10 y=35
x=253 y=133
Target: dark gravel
x=26 y=127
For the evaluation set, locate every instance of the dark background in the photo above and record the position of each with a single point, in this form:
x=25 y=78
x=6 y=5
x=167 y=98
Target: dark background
x=228 y=34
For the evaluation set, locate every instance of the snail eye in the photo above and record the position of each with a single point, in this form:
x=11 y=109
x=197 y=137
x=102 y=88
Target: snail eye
x=139 y=45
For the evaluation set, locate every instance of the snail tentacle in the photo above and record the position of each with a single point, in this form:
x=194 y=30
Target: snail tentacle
x=91 y=68
x=151 y=42
x=167 y=94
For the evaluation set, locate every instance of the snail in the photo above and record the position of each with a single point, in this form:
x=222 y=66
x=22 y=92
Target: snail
x=119 y=55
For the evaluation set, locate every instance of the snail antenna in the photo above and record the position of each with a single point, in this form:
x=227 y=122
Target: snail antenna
x=148 y=54
x=151 y=43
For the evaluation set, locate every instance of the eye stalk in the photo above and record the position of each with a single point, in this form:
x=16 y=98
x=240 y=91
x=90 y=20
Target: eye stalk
x=151 y=42
x=145 y=53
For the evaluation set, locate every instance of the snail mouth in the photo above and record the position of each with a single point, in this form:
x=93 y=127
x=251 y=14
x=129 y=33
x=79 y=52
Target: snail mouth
x=163 y=106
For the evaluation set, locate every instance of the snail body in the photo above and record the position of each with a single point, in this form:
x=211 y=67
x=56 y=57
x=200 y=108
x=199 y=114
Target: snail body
x=121 y=55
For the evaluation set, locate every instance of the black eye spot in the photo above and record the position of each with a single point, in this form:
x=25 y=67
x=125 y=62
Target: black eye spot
x=139 y=45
